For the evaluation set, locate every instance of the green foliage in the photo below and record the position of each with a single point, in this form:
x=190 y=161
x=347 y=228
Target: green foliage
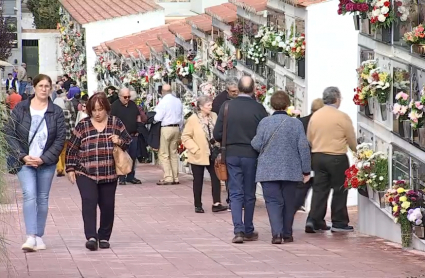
x=46 y=13
x=6 y=40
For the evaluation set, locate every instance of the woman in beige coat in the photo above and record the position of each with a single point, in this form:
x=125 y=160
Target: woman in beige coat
x=198 y=140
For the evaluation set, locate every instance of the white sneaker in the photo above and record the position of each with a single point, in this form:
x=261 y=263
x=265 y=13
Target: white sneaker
x=30 y=244
x=40 y=243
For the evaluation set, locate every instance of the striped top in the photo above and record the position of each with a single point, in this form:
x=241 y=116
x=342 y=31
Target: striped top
x=90 y=153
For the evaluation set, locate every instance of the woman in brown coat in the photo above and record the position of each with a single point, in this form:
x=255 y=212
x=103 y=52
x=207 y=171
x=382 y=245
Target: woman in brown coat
x=198 y=140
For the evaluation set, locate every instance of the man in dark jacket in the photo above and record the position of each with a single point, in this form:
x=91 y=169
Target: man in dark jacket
x=243 y=116
x=230 y=93
x=303 y=188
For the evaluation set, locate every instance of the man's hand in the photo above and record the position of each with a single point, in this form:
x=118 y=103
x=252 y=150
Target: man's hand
x=306 y=178
x=71 y=177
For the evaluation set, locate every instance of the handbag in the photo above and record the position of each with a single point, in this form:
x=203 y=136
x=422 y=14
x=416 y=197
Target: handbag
x=123 y=161
x=220 y=162
x=271 y=137
x=14 y=165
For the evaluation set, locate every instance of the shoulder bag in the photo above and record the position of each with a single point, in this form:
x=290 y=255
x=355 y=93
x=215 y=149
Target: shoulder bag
x=14 y=165
x=220 y=162
x=271 y=137
x=123 y=161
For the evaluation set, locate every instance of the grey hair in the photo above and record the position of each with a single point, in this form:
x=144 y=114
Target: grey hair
x=331 y=95
x=231 y=81
x=202 y=100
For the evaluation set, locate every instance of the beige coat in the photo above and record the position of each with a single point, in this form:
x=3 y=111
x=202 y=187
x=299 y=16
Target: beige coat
x=195 y=141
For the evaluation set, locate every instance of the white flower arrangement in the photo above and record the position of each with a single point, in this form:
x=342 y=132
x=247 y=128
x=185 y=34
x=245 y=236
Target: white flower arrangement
x=266 y=102
x=271 y=38
x=256 y=53
x=402 y=9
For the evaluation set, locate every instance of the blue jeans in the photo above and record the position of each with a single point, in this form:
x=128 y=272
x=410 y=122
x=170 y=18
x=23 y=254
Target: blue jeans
x=22 y=87
x=242 y=187
x=280 y=197
x=36 y=183
x=132 y=151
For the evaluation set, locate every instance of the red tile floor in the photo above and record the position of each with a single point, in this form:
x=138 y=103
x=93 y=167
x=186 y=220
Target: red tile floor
x=157 y=234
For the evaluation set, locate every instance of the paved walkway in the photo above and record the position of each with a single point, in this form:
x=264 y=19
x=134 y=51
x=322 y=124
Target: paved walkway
x=157 y=234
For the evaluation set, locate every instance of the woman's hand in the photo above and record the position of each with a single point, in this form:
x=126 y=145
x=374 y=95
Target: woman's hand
x=71 y=177
x=306 y=178
x=115 y=139
x=32 y=161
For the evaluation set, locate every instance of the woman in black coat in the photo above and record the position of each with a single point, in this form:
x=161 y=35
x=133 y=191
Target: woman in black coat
x=36 y=134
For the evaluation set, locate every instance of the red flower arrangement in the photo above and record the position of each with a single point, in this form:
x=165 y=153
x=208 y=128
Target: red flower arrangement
x=357 y=100
x=353 y=177
x=260 y=93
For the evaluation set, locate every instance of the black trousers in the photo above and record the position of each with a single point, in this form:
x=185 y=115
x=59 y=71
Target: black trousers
x=301 y=195
x=92 y=195
x=198 y=182
x=329 y=173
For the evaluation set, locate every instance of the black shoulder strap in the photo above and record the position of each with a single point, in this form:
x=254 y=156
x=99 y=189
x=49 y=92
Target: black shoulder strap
x=36 y=131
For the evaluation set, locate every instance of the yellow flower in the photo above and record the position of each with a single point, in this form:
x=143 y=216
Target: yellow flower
x=400 y=190
x=364 y=76
x=395 y=208
x=178 y=63
x=403 y=199
x=383 y=76
x=402 y=211
x=405 y=205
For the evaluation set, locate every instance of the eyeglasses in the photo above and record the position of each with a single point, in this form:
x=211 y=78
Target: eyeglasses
x=126 y=97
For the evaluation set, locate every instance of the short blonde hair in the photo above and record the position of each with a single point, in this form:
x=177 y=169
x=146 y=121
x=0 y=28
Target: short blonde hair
x=317 y=104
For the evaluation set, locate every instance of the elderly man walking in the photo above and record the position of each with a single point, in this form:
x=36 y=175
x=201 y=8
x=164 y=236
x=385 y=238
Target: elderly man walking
x=243 y=116
x=169 y=112
x=330 y=131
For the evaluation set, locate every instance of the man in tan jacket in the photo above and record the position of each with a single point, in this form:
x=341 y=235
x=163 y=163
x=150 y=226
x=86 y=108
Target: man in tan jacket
x=329 y=132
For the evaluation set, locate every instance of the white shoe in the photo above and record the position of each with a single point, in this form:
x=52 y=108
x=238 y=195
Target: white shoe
x=40 y=243
x=30 y=244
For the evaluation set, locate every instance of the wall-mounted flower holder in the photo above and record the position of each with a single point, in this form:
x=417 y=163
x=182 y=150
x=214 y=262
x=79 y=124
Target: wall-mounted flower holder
x=384 y=112
x=356 y=19
x=419 y=49
x=301 y=68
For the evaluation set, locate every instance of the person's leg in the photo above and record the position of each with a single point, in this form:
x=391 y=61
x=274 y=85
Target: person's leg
x=174 y=154
x=228 y=194
x=249 y=167
x=235 y=181
x=164 y=155
x=132 y=151
x=198 y=180
x=321 y=190
x=272 y=193
x=44 y=182
x=289 y=191
x=28 y=179
x=337 y=167
x=216 y=189
x=301 y=194
x=89 y=199
x=61 y=162
x=107 y=210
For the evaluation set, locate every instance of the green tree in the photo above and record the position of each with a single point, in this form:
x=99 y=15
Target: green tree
x=45 y=12
x=6 y=36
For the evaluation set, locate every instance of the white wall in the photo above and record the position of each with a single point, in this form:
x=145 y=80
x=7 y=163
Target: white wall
x=106 y=30
x=332 y=58
x=177 y=9
x=48 y=50
x=27 y=21
x=199 y=6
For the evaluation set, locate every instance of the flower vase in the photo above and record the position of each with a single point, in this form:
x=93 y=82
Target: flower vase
x=419 y=49
x=281 y=58
x=301 y=68
x=369 y=108
x=379 y=198
x=356 y=19
x=421 y=135
x=386 y=35
x=362 y=108
x=370 y=192
x=419 y=231
x=287 y=62
x=238 y=54
x=406 y=232
x=407 y=128
x=383 y=108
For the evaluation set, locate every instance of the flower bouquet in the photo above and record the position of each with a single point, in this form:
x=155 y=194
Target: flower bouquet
x=266 y=102
x=359 y=98
x=260 y=93
x=237 y=34
x=272 y=40
x=382 y=14
x=401 y=107
x=402 y=9
x=401 y=80
x=380 y=85
x=416 y=36
x=291 y=111
x=416 y=114
x=363 y=72
x=256 y=53
x=379 y=171
x=353 y=7
x=297 y=47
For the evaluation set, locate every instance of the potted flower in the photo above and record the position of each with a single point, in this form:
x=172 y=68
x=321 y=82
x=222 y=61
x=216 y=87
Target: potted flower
x=416 y=38
x=363 y=73
x=360 y=99
x=273 y=40
x=381 y=17
x=378 y=177
x=401 y=111
x=297 y=51
x=358 y=8
x=381 y=87
x=416 y=118
x=415 y=217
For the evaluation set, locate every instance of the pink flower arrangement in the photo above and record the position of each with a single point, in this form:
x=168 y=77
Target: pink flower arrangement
x=401 y=107
x=416 y=114
x=352 y=6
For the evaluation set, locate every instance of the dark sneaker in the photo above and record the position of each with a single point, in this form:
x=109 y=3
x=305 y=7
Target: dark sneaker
x=123 y=183
x=251 y=237
x=199 y=210
x=176 y=182
x=104 y=244
x=311 y=229
x=277 y=240
x=164 y=182
x=135 y=181
x=91 y=244
x=342 y=229
x=239 y=237
x=60 y=174
x=288 y=239
x=219 y=208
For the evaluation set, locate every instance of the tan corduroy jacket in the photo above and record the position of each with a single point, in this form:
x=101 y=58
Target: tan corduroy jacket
x=195 y=141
